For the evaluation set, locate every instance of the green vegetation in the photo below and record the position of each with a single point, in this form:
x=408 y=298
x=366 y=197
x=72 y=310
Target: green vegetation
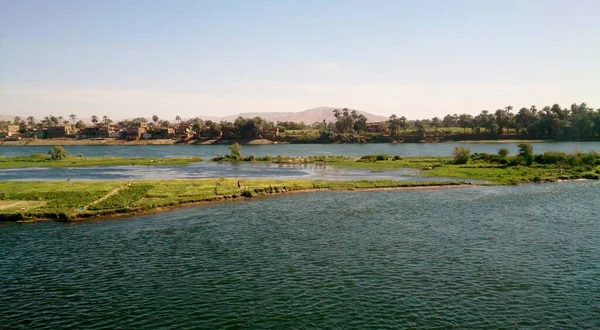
x=493 y=168
x=38 y=160
x=57 y=153
x=85 y=199
x=461 y=155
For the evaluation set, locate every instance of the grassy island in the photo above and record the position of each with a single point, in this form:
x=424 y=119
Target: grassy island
x=77 y=161
x=498 y=168
x=86 y=199
x=71 y=201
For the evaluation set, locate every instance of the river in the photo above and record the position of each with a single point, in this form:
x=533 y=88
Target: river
x=349 y=150
x=472 y=257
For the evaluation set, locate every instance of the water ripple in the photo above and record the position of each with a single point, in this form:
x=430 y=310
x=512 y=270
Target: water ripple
x=480 y=257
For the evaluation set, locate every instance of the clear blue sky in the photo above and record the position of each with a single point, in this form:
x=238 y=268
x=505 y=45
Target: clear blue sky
x=131 y=58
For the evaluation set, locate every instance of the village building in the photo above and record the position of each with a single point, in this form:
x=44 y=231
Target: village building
x=270 y=134
x=184 y=131
x=381 y=127
x=59 y=131
x=10 y=131
x=161 y=133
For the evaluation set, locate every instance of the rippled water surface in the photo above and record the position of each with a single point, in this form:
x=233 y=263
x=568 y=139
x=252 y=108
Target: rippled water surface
x=209 y=170
x=474 y=257
x=349 y=150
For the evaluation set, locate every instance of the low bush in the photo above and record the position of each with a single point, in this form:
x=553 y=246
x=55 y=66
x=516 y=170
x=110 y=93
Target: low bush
x=461 y=155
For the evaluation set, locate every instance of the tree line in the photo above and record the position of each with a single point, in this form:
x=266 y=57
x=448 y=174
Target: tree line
x=579 y=122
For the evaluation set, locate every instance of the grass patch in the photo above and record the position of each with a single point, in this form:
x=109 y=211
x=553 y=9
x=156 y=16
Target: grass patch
x=75 y=161
x=67 y=202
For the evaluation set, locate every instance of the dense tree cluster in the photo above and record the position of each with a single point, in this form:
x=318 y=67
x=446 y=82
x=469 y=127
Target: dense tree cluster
x=579 y=122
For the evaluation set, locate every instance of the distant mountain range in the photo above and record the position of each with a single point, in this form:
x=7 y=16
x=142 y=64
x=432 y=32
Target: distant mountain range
x=307 y=116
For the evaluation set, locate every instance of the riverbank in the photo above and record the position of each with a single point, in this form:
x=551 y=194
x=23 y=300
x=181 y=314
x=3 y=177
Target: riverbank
x=80 y=200
x=120 y=142
x=41 y=160
x=221 y=141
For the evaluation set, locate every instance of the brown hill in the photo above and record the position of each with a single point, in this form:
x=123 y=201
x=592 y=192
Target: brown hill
x=307 y=116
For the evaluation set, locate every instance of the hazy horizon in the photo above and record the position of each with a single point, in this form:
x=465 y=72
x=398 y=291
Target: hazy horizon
x=421 y=59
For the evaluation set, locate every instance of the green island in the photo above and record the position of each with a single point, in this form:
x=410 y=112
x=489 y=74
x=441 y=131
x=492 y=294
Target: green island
x=88 y=199
x=77 y=200
x=57 y=157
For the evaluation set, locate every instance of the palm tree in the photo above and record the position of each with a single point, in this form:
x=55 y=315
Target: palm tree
x=393 y=124
x=155 y=119
x=95 y=119
x=72 y=116
x=178 y=119
x=403 y=123
x=55 y=120
x=31 y=120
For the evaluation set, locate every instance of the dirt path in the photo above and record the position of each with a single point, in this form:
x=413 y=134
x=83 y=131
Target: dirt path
x=5 y=205
x=109 y=194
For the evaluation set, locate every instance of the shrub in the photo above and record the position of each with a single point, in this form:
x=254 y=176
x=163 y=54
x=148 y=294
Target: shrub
x=57 y=153
x=235 y=151
x=461 y=155
x=526 y=152
x=374 y=158
x=503 y=152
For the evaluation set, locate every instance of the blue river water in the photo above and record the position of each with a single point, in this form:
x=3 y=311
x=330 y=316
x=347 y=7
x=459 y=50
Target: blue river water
x=208 y=170
x=471 y=257
x=349 y=150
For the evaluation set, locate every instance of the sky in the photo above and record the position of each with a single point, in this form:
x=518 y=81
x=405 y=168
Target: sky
x=196 y=58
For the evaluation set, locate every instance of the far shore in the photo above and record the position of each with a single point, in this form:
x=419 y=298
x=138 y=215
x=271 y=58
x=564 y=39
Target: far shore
x=142 y=142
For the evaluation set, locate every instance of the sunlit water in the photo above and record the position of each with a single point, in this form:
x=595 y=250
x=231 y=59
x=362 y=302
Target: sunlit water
x=474 y=257
x=349 y=150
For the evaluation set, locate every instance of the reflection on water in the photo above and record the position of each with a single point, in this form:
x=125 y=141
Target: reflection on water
x=205 y=170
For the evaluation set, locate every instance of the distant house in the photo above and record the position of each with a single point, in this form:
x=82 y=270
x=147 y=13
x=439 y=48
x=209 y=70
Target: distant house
x=35 y=133
x=381 y=127
x=59 y=131
x=92 y=132
x=134 y=132
x=270 y=134
x=162 y=132
x=10 y=131
x=211 y=134
x=184 y=131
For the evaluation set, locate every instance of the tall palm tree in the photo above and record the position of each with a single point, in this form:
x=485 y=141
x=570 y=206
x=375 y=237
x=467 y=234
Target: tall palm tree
x=95 y=119
x=403 y=123
x=393 y=124
x=155 y=119
x=72 y=116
